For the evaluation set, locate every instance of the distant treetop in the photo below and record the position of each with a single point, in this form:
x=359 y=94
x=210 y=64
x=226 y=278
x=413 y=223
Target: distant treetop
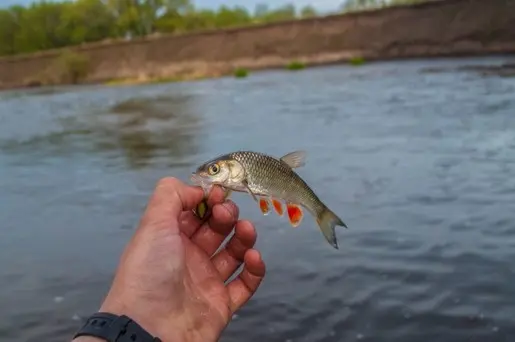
x=46 y=25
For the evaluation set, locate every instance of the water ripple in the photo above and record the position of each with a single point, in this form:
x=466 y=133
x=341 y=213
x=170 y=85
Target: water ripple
x=419 y=165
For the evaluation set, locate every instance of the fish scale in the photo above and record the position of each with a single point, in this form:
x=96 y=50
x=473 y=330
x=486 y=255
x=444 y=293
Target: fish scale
x=268 y=176
x=265 y=176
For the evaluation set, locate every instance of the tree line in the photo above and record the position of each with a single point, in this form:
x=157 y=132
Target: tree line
x=55 y=24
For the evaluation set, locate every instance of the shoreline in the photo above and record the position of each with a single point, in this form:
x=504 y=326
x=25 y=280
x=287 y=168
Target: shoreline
x=224 y=70
x=506 y=69
x=220 y=70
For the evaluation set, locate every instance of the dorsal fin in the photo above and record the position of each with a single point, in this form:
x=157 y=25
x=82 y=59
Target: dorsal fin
x=295 y=159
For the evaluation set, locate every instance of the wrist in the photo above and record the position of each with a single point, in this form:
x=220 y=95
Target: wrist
x=109 y=327
x=155 y=325
x=147 y=323
x=159 y=321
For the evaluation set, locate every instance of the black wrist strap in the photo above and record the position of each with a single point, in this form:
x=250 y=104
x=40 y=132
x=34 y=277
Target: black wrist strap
x=113 y=328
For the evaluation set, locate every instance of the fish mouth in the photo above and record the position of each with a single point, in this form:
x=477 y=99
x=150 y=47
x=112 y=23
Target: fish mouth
x=199 y=180
x=203 y=181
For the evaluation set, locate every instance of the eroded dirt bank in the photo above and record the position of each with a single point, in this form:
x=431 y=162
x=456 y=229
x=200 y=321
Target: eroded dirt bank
x=438 y=28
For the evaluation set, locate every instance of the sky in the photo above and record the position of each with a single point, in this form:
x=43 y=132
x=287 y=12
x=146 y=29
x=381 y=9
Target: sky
x=322 y=5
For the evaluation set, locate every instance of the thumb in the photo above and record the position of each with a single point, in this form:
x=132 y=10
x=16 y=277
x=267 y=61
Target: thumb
x=170 y=198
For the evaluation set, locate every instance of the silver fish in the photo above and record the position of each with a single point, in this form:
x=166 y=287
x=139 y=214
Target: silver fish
x=269 y=179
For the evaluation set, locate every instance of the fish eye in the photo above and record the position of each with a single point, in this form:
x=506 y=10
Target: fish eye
x=213 y=169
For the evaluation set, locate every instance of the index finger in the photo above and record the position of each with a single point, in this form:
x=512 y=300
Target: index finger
x=170 y=198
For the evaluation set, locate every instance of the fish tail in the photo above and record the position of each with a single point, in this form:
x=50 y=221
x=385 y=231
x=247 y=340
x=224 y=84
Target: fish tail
x=327 y=220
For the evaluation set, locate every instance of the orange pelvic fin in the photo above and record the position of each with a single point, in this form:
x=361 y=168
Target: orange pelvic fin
x=278 y=206
x=264 y=205
x=295 y=214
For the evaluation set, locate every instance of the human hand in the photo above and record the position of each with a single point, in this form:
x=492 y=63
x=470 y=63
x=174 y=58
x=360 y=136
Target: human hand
x=168 y=280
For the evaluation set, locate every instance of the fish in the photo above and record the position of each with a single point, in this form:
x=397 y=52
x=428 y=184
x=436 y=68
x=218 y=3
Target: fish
x=272 y=183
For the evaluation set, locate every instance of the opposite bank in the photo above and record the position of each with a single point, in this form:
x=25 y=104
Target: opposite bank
x=435 y=28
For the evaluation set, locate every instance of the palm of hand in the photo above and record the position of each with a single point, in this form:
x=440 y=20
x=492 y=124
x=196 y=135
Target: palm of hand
x=170 y=282
x=208 y=297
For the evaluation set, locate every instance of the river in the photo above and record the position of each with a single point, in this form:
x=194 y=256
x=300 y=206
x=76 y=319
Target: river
x=417 y=157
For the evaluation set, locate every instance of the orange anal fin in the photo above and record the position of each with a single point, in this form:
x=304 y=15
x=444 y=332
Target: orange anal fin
x=264 y=206
x=278 y=206
x=295 y=214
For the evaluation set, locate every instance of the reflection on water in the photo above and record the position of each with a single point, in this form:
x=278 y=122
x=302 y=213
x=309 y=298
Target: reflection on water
x=140 y=128
x=160 y=125
x=419 y=164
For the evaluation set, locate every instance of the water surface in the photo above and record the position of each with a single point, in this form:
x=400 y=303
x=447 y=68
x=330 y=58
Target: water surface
x=419 y=164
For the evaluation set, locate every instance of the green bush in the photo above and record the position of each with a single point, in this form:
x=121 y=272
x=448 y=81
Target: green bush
x=241 y=73
x=71 y=67
x=357 y=61
x=296 y=65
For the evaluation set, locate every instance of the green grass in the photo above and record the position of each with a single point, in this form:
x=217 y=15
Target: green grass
x=119 y=81
x=355 y=61
x=296 y=65
x=241 y=73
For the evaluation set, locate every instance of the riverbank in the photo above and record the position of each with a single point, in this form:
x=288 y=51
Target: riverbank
x=238 y=69
x=432 y=29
